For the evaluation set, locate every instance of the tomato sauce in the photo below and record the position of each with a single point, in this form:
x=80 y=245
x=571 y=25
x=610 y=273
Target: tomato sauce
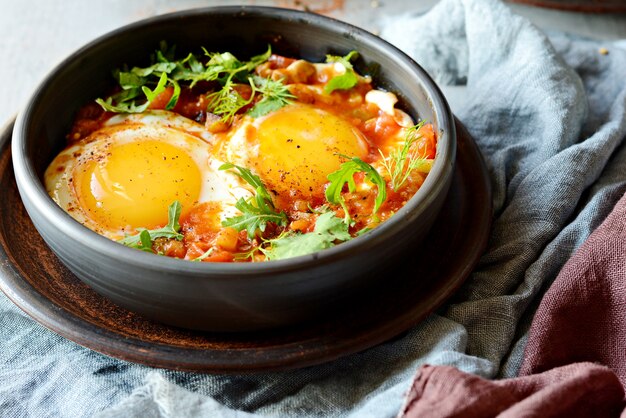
x=205 y=239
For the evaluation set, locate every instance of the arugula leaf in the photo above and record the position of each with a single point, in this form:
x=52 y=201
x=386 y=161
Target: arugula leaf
x=144 y=239
x=348 y=79
x=256 y=211
x=253 y=218
x=174 y=99
x=125 y=102
x=345 y=175
x=400 y=164
x=222 y=67
x=275 y=95
x=138 y=77
x=145 y=242
x=252 y=179
x=121 y=107
x=160 y=88
x=157 y=69
x=228 y=66
x=328 y=230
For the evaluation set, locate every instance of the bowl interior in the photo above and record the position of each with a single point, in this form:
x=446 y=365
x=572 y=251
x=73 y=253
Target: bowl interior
x=244 y=31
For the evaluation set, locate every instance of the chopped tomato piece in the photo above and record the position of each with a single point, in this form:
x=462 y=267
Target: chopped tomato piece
x=162 y=99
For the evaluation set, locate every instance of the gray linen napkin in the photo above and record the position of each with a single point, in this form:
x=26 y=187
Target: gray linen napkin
x=549 y=116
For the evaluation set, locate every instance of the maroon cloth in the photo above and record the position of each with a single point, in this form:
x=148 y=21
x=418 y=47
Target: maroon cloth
x=582 y=317
x=577 y=390
x=581 y=321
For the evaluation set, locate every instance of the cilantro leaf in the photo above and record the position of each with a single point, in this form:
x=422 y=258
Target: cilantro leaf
x=256 y=211
x=264 y=107
x=345 y=175
x=328 y=230
x=226 y=102
x=348 y=79
x=144 y=239
x=275 y=95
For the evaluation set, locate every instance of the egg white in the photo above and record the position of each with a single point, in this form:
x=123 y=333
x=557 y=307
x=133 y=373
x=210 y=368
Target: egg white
x=216 y=185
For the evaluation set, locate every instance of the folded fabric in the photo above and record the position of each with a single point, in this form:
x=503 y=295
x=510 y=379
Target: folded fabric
x=577 y=390
x=582 y=317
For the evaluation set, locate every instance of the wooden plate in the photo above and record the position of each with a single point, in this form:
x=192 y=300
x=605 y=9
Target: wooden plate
x=36 y=281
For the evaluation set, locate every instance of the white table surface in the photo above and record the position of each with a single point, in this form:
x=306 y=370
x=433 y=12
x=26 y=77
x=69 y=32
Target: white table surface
x=38 y=34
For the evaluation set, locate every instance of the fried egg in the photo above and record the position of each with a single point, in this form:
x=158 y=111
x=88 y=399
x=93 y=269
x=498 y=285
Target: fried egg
x=294 y=149
x=126 y=174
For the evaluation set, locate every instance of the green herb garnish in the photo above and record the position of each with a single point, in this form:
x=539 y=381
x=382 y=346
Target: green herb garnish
x=345 y=175
x=223 y=68
x=175 y=95
x=122 y=106
x=346 y=80
x=257 y=211
x=226 y=102
x=205 y=255
x=145 y=238
x=400 y=164
x=275 y=95
x=160 y=88
x=328 y=230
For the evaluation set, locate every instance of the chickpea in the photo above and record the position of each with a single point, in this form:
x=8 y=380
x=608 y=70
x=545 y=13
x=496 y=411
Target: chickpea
x=300 y=225
x=227 y=239
x=300 y=71
x=169 y=247
x=301 y=205
x=264 y=70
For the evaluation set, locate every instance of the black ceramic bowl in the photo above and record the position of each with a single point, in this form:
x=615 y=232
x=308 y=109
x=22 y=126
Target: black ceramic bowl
x=222 y=296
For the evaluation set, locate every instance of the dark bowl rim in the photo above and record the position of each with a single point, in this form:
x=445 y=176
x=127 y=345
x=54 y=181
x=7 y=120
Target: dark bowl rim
x=32 y=187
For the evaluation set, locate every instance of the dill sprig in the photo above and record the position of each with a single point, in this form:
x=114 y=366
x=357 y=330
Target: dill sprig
x=400 y=164
x=226 y=102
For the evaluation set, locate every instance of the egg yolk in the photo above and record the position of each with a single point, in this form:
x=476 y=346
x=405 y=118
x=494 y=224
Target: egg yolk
x=300 y=145
x=132 y=184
